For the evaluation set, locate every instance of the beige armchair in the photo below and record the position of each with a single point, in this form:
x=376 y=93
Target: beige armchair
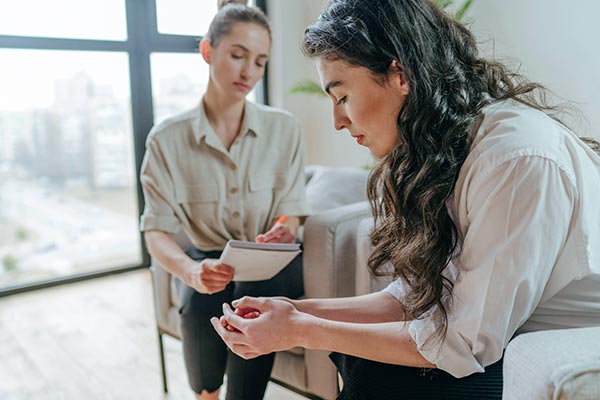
x=337 y=197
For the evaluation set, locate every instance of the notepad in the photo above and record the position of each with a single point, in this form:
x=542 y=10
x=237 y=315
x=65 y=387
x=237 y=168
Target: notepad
x=258 y=261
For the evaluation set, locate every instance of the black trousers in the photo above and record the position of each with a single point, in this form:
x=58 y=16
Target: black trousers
x=206 y=356
x=371 y=380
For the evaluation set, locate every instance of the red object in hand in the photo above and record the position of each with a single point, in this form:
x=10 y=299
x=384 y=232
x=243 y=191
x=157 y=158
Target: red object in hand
x=246 y=313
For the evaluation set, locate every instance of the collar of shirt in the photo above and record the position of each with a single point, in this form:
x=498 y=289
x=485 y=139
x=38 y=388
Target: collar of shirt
x=202 y=127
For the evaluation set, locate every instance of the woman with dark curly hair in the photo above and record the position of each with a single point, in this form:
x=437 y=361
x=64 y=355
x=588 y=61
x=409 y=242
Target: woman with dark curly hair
x=485 y=210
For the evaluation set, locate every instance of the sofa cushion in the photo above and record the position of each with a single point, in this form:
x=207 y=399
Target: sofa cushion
x=554 y=364
x=331 y=187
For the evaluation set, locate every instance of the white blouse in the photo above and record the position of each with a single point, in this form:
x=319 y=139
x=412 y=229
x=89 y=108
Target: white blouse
x=527 y=205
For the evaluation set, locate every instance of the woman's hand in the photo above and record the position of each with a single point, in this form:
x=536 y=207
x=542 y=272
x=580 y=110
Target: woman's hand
x=245 y=313
x=271 y=325
x=209 y=276
x=280 y=233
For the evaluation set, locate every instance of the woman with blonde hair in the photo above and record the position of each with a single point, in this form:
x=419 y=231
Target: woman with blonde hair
x=227 y=169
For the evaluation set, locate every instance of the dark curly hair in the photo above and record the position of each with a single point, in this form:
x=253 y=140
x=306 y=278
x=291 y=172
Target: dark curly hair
x=449 y=84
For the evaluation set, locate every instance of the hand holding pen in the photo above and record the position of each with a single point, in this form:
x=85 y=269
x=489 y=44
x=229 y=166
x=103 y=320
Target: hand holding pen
x=282 y=231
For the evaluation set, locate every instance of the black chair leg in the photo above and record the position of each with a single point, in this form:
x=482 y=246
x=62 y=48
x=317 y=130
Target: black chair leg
x=161 y=350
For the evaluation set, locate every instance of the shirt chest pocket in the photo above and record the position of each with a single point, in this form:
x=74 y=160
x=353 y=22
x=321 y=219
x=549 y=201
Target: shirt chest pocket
x=200 y=203
x=264 y=188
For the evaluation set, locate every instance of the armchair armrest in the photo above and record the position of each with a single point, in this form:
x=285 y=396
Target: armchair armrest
x=365 y=282
x=162 y=292
x=329 y=271
x=165 y=298
x=330 y=251
x=553 y=364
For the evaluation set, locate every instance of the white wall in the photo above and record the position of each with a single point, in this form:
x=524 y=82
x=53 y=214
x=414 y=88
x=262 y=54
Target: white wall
x=555 y=42
x=288 y=66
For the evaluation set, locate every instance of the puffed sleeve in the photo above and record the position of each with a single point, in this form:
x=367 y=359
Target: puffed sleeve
x=518 y=216
x=159 y=194
x=291 y=199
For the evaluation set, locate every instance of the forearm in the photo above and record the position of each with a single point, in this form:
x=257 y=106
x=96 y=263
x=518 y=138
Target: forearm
x=369 y=308
x=281 y=326
x=387 y=342
x=171 y=257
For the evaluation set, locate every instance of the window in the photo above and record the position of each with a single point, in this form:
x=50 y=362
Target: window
x=185 y=17
x=67 y=172
x=78 y=19
x=78 y=99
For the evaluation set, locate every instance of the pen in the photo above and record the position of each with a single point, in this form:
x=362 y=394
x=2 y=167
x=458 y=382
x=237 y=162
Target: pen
x=282 y=219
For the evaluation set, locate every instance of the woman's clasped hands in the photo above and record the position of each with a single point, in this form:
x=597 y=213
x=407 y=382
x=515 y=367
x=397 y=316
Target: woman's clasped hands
x=257 y=326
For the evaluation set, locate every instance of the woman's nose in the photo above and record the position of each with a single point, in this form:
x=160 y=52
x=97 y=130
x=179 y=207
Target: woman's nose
x=340 y=120
x=245 y=72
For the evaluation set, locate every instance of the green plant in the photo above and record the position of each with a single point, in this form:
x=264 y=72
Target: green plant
x=308 y=87
x=10 y=262
x=460 y=12
x=21 y=234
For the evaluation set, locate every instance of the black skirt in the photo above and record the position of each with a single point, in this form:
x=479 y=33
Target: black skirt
x=371 y=380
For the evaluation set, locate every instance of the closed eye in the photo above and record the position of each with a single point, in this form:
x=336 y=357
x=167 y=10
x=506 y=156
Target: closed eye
x=341 y=101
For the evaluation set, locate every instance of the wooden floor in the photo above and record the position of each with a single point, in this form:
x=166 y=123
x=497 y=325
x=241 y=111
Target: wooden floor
x=90 y=340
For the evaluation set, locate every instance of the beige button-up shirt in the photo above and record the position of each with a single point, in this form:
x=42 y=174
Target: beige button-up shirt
x=190 y=180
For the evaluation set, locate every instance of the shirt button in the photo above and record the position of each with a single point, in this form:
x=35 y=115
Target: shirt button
x=233 y=190
x=236 y=214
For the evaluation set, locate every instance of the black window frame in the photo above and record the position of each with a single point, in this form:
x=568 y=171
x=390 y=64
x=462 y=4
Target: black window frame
x=143 y=39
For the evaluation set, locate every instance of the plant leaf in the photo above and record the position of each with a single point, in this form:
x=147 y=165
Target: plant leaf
x=443 y=4
x=308 y=87
x=463 y=10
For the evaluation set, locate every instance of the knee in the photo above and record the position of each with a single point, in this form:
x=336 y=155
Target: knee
x=197 y=306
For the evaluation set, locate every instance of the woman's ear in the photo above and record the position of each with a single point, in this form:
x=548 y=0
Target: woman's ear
x=206 y=50
x=397 y=77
